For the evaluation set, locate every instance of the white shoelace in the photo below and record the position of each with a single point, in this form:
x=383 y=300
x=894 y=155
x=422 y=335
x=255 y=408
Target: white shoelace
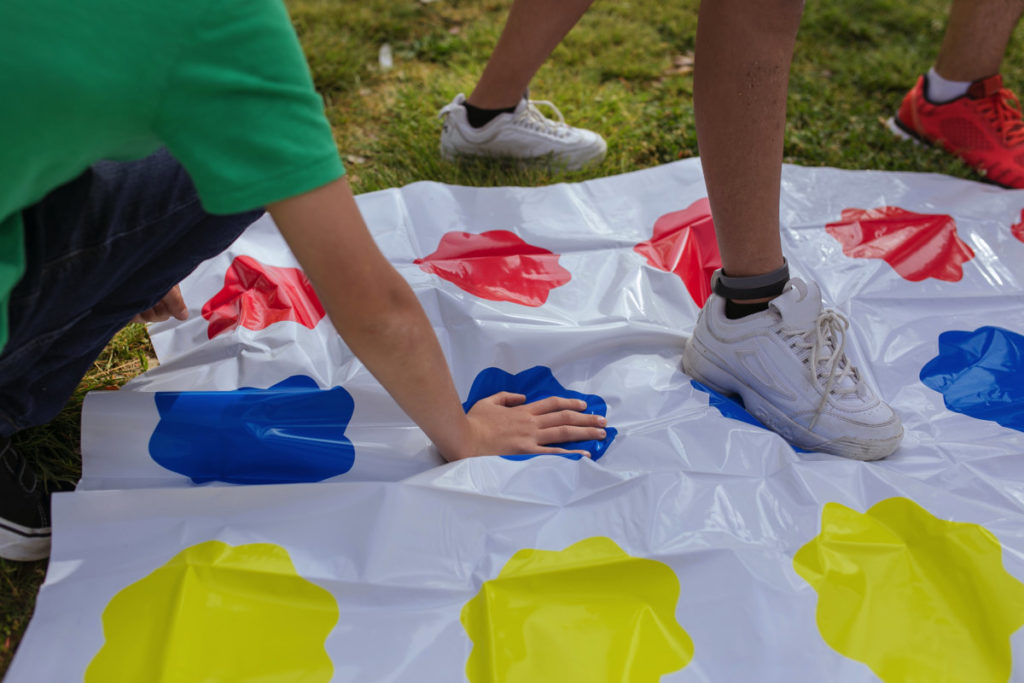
x=533 y=119
x=826 y=342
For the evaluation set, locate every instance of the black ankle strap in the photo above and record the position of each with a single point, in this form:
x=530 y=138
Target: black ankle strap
x=753 y=287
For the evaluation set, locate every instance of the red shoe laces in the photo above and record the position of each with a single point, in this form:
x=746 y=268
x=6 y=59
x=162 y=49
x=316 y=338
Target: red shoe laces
x=1002 y=109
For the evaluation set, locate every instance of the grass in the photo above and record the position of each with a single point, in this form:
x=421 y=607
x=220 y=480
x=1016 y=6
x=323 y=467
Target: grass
x=619 y=72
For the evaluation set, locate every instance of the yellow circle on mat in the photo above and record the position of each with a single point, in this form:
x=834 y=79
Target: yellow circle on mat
x=587 y=613
x=914 y=597
x=217 y=612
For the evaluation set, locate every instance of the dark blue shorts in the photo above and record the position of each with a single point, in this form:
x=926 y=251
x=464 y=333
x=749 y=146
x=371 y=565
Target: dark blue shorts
x=100 y=249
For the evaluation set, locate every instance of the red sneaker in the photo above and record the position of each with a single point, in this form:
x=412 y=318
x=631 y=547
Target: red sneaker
x=983 y=127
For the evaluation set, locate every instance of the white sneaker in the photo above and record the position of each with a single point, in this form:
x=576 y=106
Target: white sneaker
x=525 y=134
x=790 y=368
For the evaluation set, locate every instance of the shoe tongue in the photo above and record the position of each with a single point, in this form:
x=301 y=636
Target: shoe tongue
x=799 y=304
x=981 y=89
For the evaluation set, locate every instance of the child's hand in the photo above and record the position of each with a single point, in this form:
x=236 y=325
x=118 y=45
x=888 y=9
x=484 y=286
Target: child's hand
x=503 y=424
x=172 y=304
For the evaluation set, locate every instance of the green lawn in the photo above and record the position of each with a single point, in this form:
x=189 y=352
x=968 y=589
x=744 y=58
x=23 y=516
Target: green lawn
x=617 y=73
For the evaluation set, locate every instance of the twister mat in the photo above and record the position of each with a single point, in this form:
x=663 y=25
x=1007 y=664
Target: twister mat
x=257 y=508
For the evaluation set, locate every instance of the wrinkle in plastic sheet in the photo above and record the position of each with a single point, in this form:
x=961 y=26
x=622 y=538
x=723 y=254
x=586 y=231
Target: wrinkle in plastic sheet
x=765 y=544
x=256 y=296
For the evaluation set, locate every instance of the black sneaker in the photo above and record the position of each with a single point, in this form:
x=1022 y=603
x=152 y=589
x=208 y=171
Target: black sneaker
x=24 y=509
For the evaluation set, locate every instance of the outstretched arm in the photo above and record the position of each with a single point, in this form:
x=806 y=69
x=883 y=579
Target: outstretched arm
x=377 y=314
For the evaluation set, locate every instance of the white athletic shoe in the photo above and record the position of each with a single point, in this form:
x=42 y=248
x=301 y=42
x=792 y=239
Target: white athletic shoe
x=790 y=368
x=525 y=134
x=24 y=509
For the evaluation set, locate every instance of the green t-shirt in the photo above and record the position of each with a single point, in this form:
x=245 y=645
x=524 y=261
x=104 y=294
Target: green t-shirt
x=222 y=84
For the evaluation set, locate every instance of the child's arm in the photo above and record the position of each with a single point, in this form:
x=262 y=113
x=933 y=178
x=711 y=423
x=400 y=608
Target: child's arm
x=379 y=317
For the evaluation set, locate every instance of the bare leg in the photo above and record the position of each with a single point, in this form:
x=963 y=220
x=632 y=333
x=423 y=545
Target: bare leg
x=533 y=30
x=744 y=50
x=976 y=38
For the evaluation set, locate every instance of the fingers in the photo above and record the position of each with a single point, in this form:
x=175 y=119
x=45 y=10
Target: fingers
x=161 y=311
x=556 y=403
x=547 y=450
x=570 y=417
x=148 y=316
x=550 y=404
x=506 y=398
x=174 y=303
x=158 y=313
x=570 y=433
x=171 y=305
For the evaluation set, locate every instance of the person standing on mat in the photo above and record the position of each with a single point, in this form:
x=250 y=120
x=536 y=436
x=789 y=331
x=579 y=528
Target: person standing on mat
x=763 y=335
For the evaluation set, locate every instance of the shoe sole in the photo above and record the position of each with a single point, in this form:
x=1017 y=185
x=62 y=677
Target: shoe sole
x=904 y=133
x=23 y=544
x=897 y=129
x=710 y=374
x=548 y=161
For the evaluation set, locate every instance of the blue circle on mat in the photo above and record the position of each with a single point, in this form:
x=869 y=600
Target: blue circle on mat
x=980 y=374
x=292 y=432
x=537 y=383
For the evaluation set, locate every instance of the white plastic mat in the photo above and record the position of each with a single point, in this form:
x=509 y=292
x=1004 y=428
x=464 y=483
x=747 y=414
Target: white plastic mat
x=696 y=546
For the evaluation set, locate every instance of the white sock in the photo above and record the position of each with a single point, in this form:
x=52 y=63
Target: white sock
x=941 y=90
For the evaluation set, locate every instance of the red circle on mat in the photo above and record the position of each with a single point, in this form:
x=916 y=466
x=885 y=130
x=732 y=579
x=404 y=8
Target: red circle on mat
x=256 y=296
x=916 y=245
x=496 y=265
x=684 y=243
